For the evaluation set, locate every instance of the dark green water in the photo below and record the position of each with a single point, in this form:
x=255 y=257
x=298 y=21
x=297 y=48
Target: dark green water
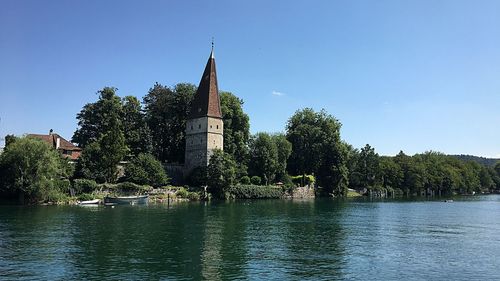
x=280 y=240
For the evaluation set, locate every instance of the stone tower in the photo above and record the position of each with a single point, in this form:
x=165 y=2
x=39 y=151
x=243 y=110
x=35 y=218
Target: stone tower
x=204 y=126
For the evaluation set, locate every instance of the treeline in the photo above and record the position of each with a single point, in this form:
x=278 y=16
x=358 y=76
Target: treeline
x=491 y=162
x=430 y=173
x=128 y=140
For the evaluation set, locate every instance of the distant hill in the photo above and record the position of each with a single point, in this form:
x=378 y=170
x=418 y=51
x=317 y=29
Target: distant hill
x=481 y=160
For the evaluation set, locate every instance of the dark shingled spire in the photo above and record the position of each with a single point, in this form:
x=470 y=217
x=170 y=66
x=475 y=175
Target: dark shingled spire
x=206 y=100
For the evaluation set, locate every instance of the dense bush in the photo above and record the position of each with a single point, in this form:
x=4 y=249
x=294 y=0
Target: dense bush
x=245 y=180
x=85 y=197
x=62 y=185
x=84 y=186
x=255 y=192
x=256 y=180
x=145 y=169
x=182 y=193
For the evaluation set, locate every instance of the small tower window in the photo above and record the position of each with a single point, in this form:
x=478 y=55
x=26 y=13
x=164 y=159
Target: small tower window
x=210 y=126
x=199 y=126
x=217 y=126
x=191 y=127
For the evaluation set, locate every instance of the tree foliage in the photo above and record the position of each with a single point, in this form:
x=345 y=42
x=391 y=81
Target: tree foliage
x=317 y=149
x=166 y=112
x=264 y=157
x=99 y=160
x=221 y=173
x=136 y=132
x=284 y=149
x=236 y=130
x=96 y=119
x=146 y=170
x=31 y=168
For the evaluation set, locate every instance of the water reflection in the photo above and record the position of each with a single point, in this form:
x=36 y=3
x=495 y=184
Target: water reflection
x=289 y=240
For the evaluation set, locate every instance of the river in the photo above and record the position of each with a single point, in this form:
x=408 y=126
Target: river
x=269 y=239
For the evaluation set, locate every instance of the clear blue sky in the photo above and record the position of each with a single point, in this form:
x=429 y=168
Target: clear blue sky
x=409 y=75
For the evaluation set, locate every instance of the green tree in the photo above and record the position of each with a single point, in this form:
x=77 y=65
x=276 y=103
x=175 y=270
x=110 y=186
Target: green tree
x=96 y=119
x=284 y=148
x=221 y=173
x=99 y=160
x=317 y=149
x=166 y=112
x=236 y=130
x=390 y=172
x=304 y=132
x=136 y=131
x=264 y=157
x=146 y=170
x=485 y=179
x=368 y=167
x=30 y=168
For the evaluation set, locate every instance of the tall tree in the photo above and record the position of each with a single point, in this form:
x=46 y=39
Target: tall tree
x=368 y=167
x=136 y=131
x=236 y=130
x=284 y=148
x=264 y=157
x=166 y=112
x=317 y=148
x=95 y=119
x=99 y=159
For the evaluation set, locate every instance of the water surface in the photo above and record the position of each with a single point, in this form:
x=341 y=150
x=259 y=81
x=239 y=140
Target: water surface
x=269 y=239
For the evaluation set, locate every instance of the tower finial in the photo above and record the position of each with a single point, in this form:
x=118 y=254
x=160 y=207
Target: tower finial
x=212 y=52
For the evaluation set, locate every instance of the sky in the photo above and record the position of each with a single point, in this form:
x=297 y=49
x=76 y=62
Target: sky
x=413 y=75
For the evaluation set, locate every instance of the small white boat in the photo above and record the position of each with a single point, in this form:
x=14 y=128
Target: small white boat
x=89 y=202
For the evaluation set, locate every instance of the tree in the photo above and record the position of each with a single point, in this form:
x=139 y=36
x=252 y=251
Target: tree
x=368 y=167
x=390 y=172
x=99 y=159
x=166 y=112
x=284 y=148
x=264 y=157
x=221 y=173
x=485 y=179
x=136 y=131
x=236 y=130
x=146 y=170
x=96 y=119
x=30 y=169
x=303 y=131
x=317 y=149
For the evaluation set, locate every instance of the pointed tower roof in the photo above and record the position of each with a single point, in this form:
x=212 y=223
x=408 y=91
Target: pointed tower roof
x=206 y=100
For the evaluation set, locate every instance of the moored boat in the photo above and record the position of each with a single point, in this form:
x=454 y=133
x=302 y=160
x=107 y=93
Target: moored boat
x=126 y=200
x=89 y=202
